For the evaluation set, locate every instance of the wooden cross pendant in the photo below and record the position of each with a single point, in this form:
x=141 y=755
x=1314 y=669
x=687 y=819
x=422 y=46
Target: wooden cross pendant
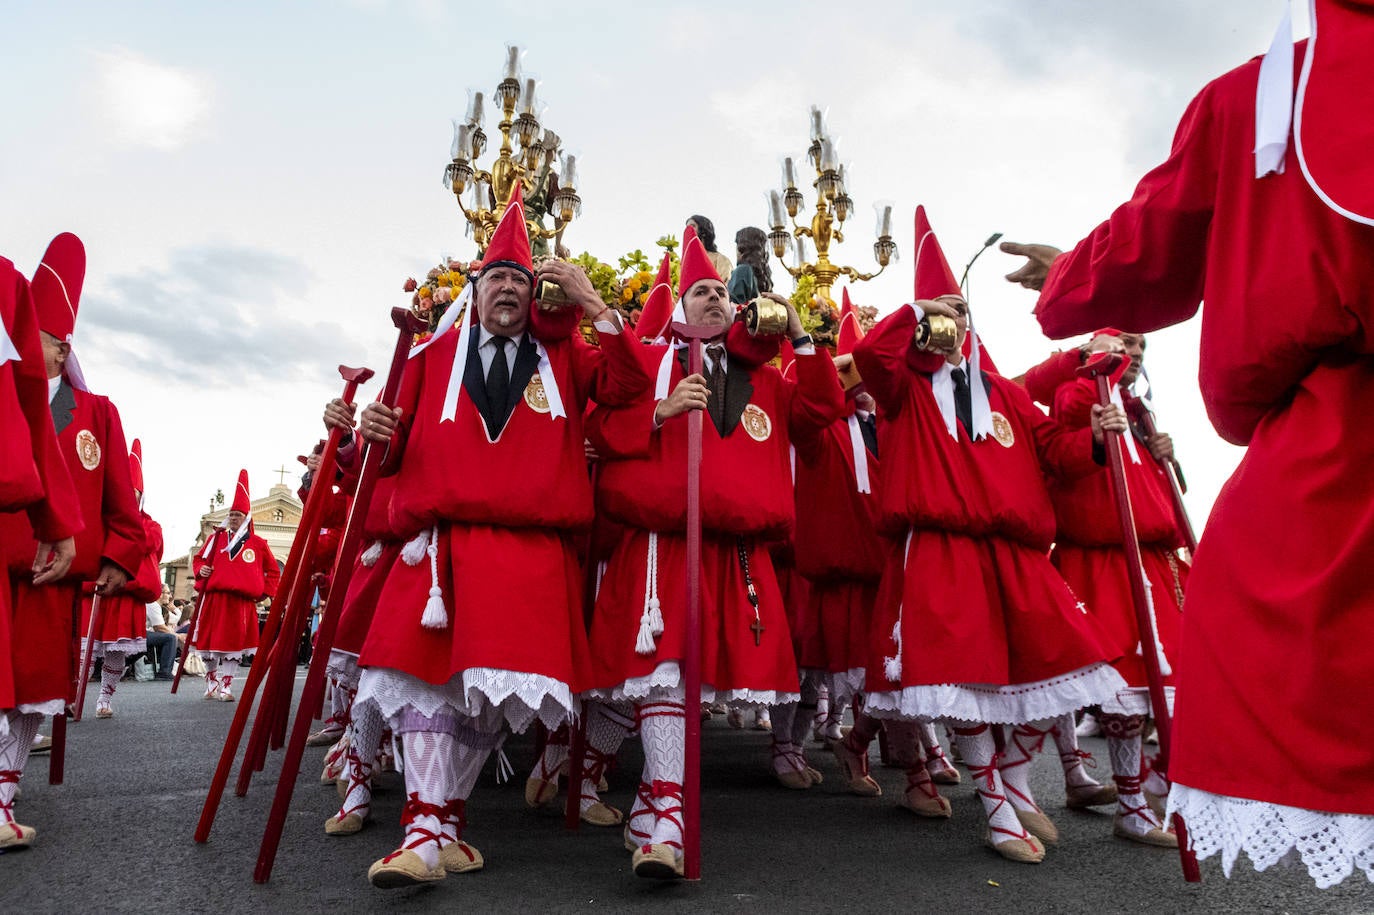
x=758 y=627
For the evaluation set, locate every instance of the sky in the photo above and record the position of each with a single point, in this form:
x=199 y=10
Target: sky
x=254 y=181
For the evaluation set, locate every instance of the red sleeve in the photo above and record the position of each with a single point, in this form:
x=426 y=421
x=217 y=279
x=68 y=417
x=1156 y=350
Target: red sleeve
x=1144 y=267
x=408 y=399
x=124 y=543
x=817 y=398
x=887 y=358
x=271 y=575
x=624 y=431
x=58 y=515
x=1042 y=381
x=1065 y=452
x=1073 y=403
x=612 y=373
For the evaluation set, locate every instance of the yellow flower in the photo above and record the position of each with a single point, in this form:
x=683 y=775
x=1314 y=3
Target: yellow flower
x=626 y=294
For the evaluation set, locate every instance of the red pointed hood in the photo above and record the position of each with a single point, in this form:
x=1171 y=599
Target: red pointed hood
x=850 y=332
x=696 y=264
x=658 y=307
x=933 y=276
x=56 y=286
x=510 y=242
x=243 y=502
x=136 y=466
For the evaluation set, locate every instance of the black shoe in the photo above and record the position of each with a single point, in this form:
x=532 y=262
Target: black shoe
x=163 y=677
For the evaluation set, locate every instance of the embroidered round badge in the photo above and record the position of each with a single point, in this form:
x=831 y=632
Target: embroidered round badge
x=756 y=423
x=249 y=556
x=88 y=449
x=535 y=396
x=1001 y=430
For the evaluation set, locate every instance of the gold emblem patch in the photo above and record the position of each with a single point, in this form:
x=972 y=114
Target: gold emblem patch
x=1001 y=430
x=756 y=423
x=535 y=395
x=249 y=556
x=88 y=449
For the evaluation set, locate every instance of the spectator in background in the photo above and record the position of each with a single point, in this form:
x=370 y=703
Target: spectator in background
x=706 y=231
x=163 y=640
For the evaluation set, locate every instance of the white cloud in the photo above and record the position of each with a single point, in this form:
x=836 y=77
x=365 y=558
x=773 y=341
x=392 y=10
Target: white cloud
x=144 y=103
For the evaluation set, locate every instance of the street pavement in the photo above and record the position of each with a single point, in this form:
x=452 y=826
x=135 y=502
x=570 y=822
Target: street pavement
x=117 y=837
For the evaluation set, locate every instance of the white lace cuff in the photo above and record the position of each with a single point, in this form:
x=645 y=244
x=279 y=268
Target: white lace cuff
x=1015 y=704
x=668 y=675
x=1330 y=845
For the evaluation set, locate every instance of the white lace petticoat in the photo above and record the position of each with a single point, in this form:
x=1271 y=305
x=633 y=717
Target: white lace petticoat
x=478 y=692
x=1330 y=845
x=1015 y=704
x=123 y=646
x=343 y=668
x=668 y=675
x=1134 y=700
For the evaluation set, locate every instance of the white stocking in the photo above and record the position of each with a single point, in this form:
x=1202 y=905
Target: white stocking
x=227 y=669
x=430 y=783
x=607 y=725
x=663 y=730
x=14 y=753
x=1123 y=733
x=111 y=669
x=978 y=750
x=1071 y=758
x=1023 y=741
x=364 y=746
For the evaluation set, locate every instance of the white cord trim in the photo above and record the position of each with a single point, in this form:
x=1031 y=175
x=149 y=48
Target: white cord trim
x=1014 y=704
x=1330 y=845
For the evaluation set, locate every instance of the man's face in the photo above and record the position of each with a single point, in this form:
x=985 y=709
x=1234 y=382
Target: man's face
x=166 y=599
x=54 y=353
x=707 y=304
x=503 y=300
x=235 y=519
x=1135 y=349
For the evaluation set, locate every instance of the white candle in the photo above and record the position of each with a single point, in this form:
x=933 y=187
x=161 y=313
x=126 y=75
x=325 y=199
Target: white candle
x=512 y=62
x=528 y=100
x=789 y=173
x=775 y=211
x=462 y=145
x=568 y=177
x=477 y=111
x=817 y=124
x=827 y=154
x=884 y=211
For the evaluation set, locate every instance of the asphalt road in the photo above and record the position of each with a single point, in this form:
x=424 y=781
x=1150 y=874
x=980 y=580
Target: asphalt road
x=117 y=838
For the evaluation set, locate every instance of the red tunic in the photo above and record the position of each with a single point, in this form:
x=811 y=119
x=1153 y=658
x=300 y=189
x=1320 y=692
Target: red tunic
x=746 y=498
x=1088 y=546
x=506 y=512
x=91 y=440
x=124 y=616
x=33 y=475
x=838 y=548
x=227 y=621
x=1280 y=615
x=976 y=600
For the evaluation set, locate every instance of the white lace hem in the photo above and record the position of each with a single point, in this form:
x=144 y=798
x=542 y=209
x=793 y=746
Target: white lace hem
x=127 y=646
x=47 y=708
x=478 y=692
x=1015 y=704
x=1135 y=700
x=215 y=658
x=1330 y=845
x=668 y=676
x=343 y=668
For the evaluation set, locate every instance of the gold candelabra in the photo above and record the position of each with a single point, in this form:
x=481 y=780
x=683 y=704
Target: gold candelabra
x=833 y=206
x=545 y=191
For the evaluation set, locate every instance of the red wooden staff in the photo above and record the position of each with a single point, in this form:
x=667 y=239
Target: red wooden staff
x=87 y=661
x=408 y=325
x=1101 y=367
x=191 y=626
x=314 y=502
x=1146 y=417
x=691 y=661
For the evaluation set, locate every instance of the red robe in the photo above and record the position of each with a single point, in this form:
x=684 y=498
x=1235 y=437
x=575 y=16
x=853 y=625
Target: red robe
x=506 y=512
x=1279 y=615
x=91 y=440
x=974 y=598
x=124 y=615
x=837 y=546
x=227 y=621
x=746 y=498
x=33 y=475
x=1088 y=546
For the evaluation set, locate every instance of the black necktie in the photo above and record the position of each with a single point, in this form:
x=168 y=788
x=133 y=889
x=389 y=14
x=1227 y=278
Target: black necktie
x=963 y=400
x=868 y=428
x=498 y=386
x=715 y=381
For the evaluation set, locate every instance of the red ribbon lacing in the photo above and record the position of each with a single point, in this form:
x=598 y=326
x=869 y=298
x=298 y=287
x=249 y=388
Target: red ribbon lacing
x=660 y=790
x=419 y=835
x=359 y=776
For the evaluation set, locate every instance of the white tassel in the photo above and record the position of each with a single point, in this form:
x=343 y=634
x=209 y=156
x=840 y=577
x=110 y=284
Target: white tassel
x=414 y=551
x=892 y=667
x=372 y=554
x=504 y=770
x=651 y=620
x=435 y=615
